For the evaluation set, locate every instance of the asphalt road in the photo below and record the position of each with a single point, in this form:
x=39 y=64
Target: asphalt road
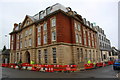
x=104 y=72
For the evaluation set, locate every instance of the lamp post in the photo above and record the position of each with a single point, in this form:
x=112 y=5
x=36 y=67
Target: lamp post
x=8 y=40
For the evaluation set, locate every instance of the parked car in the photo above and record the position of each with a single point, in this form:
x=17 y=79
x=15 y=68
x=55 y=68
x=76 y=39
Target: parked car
x=116 y=64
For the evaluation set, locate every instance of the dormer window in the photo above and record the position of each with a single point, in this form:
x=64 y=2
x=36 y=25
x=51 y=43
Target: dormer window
x=91 y=25
x=84 y=20
x=87 y=23
x=75 y=12
x=69 y=9
x=48 y=10
x=41 y=14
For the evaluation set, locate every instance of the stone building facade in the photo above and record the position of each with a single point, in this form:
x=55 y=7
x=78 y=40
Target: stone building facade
x=56 y=35
x=104 y=44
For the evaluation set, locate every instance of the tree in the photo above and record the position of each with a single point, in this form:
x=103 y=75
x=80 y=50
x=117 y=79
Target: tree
x=4 y=48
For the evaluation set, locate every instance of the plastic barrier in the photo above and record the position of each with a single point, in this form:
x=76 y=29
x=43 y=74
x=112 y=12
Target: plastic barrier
x=12 y=65
x=89 y=66
x=5 y=65
x=99 y=64
x=43 y=68
x=110 y=62
x=104 y=64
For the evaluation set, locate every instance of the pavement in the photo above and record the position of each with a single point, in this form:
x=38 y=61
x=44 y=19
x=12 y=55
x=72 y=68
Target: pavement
x=104 y=72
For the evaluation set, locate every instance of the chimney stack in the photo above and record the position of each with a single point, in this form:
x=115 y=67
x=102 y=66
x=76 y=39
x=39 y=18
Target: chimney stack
x=15 y=25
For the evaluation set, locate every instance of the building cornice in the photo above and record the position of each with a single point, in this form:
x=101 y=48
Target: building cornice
x=49 y=15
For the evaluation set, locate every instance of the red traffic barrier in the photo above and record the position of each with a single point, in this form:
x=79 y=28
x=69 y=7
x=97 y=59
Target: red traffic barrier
x=110 y=62
x=89 y=66
x=5 y=65
x=99 y=64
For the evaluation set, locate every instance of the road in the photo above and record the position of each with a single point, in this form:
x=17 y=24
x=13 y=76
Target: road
x=104 y=72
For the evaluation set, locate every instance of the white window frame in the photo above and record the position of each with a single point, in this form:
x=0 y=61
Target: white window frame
x=39 y=29
x=80 y=39
x=20 y=44
x=45 y=26
x=27 y=22
x=93 y=43
x=53 y=35
x=75 y=24
x=39 y=40
x=30 y=42
x=48 y=10
x=79 y=27
x=89 y=41
x=30 y=32
x=85 y=41
x=53 y=22
x=41 y=14
x=77 y=38
x=45 y=39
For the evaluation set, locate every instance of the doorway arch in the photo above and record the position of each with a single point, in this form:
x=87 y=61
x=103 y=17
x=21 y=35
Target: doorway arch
x=27 y=55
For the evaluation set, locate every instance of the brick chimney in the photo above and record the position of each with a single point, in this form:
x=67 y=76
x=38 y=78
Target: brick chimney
x=15 y=25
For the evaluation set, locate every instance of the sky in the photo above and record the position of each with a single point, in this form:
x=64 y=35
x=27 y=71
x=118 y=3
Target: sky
x=103 y=12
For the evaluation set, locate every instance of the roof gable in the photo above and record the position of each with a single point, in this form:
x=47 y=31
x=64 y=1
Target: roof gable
x=28 y=20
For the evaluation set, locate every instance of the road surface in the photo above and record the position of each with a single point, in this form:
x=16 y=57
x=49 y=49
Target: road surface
x=104 y=72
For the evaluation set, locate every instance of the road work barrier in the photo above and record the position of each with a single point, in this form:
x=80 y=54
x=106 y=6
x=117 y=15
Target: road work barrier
x=99 y=64
x=89 y=66
x=54 y=68
x=110 y=62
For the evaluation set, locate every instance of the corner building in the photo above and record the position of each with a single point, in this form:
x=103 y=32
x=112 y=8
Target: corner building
x=56 y=35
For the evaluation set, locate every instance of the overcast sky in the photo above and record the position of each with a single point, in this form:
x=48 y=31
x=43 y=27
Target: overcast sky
x=103 y=12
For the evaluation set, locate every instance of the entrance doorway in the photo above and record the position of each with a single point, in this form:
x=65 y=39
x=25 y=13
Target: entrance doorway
x=27 y=57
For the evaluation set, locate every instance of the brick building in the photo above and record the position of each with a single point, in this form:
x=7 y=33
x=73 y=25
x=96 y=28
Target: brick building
x=56 y=35
x=104 y=44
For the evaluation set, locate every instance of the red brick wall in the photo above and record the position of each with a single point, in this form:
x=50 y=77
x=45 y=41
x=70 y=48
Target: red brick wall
x=65 y=29
x=90 y=40
x=48 y=31
x=86 y=33
x=82 y=34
